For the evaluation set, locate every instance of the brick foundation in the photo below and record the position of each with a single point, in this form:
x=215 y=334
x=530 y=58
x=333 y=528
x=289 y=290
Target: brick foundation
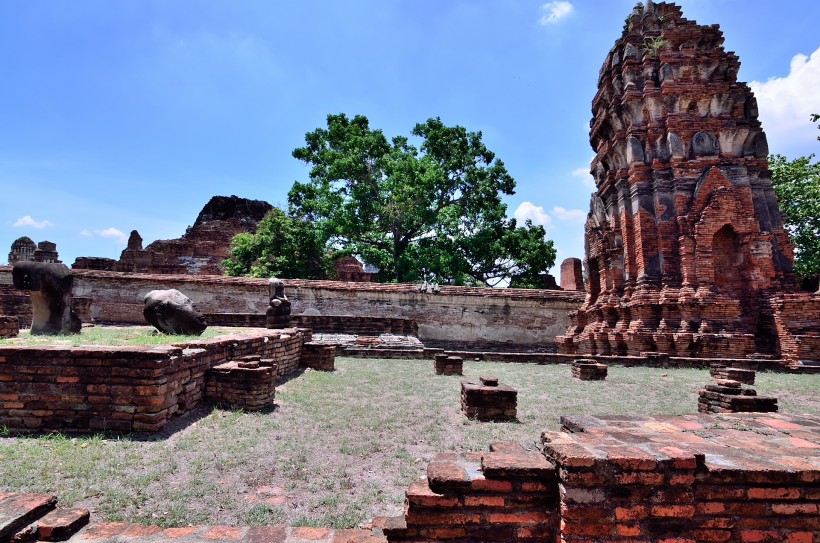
x=87 y=389
x=445 y=364
x=489 y=400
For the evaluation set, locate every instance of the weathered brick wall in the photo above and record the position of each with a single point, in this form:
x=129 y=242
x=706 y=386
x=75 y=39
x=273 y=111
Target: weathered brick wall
x=483 y=318
x=14 y=302
x=9 y=326
x=797 y=322
x=122 y=388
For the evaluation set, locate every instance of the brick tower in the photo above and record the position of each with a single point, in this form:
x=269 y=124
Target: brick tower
x=685 y=245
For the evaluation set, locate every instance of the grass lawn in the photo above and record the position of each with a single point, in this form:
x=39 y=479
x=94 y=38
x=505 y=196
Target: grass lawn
x=340 y=447
x=116 y=335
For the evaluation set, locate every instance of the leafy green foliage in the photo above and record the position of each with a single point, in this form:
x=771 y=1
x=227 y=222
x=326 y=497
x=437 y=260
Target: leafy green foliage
x=797 y=185
x=282 y=246
x=432 y=212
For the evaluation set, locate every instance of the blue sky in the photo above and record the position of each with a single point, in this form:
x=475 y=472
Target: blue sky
x=121 y=115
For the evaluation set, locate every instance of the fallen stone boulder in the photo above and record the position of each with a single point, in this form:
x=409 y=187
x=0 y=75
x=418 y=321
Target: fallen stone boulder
x=172 y=312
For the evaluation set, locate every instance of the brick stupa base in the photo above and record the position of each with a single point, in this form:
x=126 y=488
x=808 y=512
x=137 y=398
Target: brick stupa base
x=449 y=365
x=489 y=400
x=589 y=370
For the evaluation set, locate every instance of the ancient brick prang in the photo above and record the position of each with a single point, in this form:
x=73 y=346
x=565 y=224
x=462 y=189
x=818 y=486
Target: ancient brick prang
x=200 y=251
x=684 y=240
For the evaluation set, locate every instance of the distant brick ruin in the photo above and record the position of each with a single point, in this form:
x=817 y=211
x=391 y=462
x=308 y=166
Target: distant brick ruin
x=685 y=246
x=25 y=250
x=200 y=251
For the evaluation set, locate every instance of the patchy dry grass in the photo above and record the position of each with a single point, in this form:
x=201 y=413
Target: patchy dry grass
x=116 y=335
x=340 y=447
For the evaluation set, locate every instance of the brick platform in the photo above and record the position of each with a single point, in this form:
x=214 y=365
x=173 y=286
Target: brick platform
x=489 y=400
x=689 y=479
x=589 y=370
x=446 y=364
x=9 y=326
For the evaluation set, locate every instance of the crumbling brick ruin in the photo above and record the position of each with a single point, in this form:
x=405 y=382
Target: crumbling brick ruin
x=25 y=250
x=200 y=251
x=685 y=247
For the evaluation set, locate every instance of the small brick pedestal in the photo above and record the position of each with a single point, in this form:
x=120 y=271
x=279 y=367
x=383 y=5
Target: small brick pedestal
x=9 y=326
x=726 y=396
x=589 y=370
x=719 y=371
x=248 y=384
x=318 y=357
x=489 y=400
x=449 y=365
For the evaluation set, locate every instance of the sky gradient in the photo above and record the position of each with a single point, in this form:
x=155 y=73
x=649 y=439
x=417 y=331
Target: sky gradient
x=121 y=115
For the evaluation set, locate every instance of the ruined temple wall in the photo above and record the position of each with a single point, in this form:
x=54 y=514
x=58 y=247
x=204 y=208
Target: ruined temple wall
x=515 y=319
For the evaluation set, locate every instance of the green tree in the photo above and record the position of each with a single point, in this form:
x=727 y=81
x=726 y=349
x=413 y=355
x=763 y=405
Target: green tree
x=432 y=212
x=797 y=185
x=282 y=246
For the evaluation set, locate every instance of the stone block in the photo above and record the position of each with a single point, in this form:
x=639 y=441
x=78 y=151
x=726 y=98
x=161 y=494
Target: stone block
x=448 y=365
x=589 y=370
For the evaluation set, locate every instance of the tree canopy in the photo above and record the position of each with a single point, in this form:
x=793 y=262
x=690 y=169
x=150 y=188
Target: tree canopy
x=430 y=212
x=282 y=246
x=797 y=185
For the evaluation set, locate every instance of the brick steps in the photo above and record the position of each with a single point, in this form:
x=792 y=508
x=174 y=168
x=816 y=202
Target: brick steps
x=508 y=494
x=32 y=517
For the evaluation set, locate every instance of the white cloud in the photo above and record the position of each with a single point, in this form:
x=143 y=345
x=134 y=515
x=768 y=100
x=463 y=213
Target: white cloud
x=86 y=232
x=555 y=11
x=785 y=104
x=586 y=177
x=113 y=233
x=28 y=221
x=537 y=214
x=563 y=214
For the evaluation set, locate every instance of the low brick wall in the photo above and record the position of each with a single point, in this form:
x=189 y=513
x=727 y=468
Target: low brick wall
x=86 y=389
x=9 y=326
